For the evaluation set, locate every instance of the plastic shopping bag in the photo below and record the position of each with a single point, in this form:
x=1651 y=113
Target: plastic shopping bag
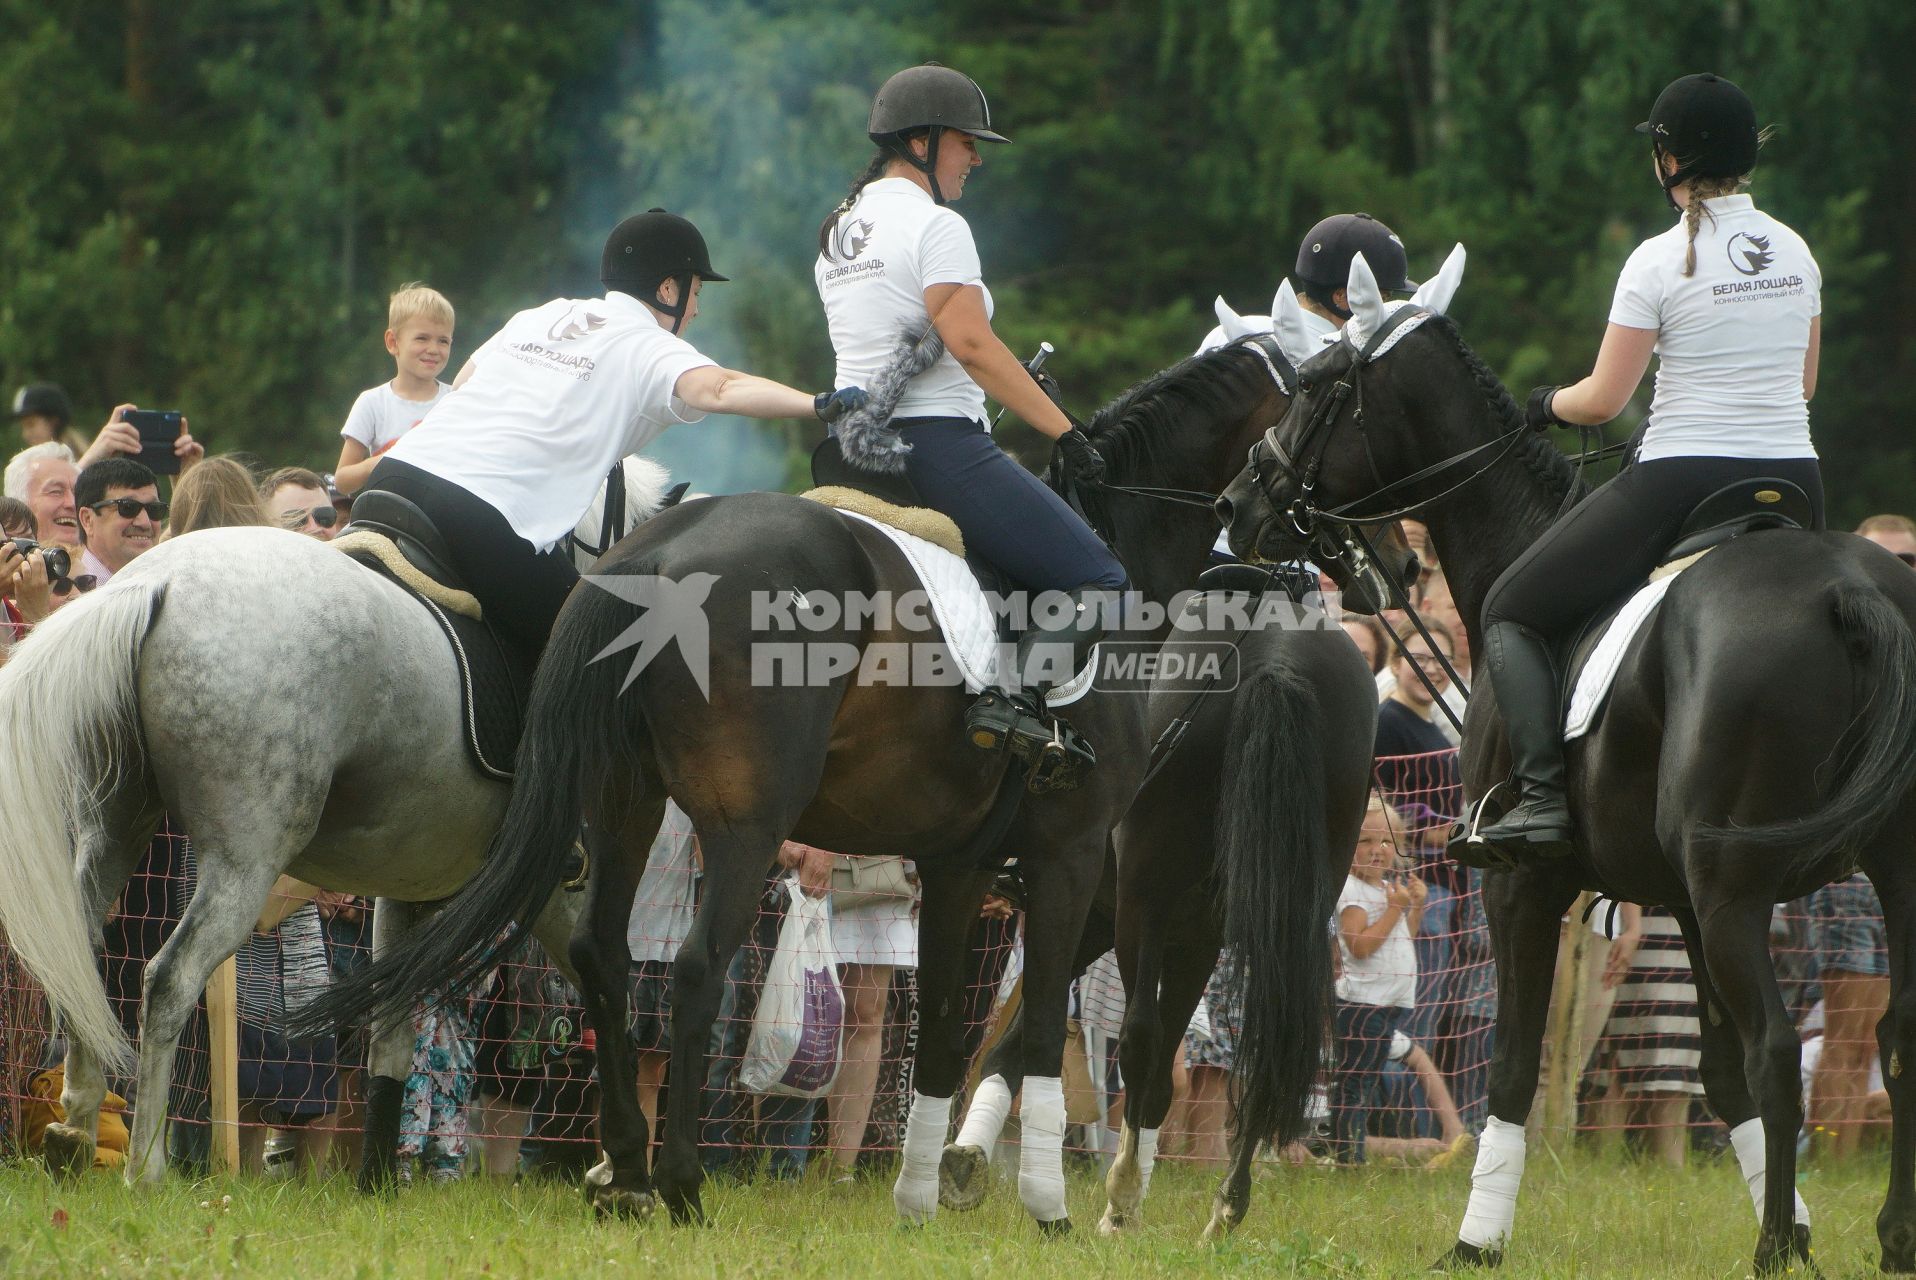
x=793 y=1049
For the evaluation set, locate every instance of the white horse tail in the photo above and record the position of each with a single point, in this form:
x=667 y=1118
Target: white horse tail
x=69 y=732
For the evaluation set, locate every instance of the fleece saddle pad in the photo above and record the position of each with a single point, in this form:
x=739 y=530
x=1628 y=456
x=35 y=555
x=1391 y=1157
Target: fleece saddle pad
x=493 y=679
x=1605 y=656
x=962 y=613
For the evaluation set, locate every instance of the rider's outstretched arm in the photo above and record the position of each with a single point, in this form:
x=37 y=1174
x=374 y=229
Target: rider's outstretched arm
x=713 y=389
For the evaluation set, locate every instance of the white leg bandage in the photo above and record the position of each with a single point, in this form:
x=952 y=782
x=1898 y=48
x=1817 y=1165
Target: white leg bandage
x=985 y=1119
x=915 y=1194
x=1041 y=1148
x=1493 y=1186
x=1747 y=1140
x=1147 y=1157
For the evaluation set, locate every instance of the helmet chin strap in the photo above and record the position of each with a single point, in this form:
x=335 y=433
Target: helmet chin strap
x=929 y=165
x=1674 y=180
x=677 y=309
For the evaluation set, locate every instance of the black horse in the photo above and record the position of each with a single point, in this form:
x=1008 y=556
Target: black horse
x=1241 y=838
x=1759 y=741
x=861 y=768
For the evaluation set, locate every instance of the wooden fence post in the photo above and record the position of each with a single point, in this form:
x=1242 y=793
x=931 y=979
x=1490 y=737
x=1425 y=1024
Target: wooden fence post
x=222 y=1025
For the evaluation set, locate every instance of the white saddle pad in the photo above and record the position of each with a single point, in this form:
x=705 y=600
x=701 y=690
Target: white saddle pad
x=958 y=603
x=1600 y=672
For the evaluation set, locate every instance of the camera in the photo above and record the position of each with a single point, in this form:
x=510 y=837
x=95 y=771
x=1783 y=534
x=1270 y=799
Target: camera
x=59 y=563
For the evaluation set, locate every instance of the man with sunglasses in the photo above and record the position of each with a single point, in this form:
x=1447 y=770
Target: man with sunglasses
x=118 y=504
x=297 y=499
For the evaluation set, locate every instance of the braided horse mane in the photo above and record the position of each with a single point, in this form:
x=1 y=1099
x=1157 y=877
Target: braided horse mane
x=1543 y=459
x=1139 y=429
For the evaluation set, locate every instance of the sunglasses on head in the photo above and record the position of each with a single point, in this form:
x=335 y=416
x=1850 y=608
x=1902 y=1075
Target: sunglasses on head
x=1907 y=557
x=83 y=584
x=325 y=517
x=128 y=508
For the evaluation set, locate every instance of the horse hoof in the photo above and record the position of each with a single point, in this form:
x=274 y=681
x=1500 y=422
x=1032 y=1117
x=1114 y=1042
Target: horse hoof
x=963 y=1178
x=1218 y=1227
x=1899 y=1247
x=1055 y=1230
x=623 y=1202
x=68 y=1150
x=1114 y=1223
x=1463 y=1256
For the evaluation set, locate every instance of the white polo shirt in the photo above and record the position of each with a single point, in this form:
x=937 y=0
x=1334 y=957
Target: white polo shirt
x=889 y=247
x=1730 y=339
x=381 y=415
x=556 y=397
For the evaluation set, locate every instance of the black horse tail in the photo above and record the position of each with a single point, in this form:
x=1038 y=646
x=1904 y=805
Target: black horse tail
x=1278 y=887
x=579 y=735
x=1879 y=757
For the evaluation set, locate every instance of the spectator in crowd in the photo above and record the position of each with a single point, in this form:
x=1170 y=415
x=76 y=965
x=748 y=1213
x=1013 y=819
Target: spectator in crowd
x=1210 y=1052
x=434 y=1129
x=662 y=915
x=1417 y=773
x=1436 y=603
x=1378 y=914
x=1896 y=534
x=120 y=438
x=1368 y=635
x=874 y=927
x=118 y=504
x=1652 y=1042
x=297 y=499
x=419 y=339
x=45 y=415
x=286 y=1084
x=217 y=494
x=42 y=476
x=25 y=594
x=1846 y=928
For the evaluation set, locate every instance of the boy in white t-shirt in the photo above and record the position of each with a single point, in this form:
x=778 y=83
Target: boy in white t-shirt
x=419 y=339
x=1377 y=915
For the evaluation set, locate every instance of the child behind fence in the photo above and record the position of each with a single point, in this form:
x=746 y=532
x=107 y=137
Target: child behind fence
x=1377 y=916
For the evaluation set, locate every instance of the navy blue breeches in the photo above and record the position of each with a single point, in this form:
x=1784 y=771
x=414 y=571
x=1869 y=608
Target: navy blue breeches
x=1007 y=515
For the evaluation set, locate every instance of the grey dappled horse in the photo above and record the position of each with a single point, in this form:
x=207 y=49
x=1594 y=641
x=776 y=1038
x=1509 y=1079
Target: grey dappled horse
x=293 y=712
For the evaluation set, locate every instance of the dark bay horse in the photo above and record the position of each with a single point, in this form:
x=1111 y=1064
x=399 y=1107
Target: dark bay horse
x=1241 y=839
x=1759 y=741
x=859 y=767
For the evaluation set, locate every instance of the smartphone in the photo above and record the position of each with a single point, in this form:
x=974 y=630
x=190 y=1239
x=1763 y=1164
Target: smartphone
x=159 y=430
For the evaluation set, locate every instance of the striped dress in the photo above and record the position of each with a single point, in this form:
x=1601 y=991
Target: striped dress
x=1652 y=1039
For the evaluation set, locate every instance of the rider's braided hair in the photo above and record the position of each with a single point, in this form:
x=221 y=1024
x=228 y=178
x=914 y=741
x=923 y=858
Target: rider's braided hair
x=880 y=161
x=1702 y=189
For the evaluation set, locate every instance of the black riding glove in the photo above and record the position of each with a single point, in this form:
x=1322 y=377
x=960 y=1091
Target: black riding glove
x=830 y=406
x=1538 y=414
x=1081 y=457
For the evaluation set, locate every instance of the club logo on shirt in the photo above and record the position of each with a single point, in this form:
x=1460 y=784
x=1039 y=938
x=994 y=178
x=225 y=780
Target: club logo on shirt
x=575 y=324
x=853 y=236
x=1750 y=255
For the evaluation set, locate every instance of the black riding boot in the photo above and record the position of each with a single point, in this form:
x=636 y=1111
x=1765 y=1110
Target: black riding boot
x=1049 y=653
x=1538 y=826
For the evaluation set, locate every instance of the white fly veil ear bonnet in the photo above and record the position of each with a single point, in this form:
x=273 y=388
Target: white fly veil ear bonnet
x=1371 y=314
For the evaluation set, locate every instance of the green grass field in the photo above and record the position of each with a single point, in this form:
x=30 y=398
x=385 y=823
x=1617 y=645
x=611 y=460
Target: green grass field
x=1579 y=1218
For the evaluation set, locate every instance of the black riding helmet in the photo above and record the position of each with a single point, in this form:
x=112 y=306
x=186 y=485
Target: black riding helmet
x=650 y=248
x=1708 y=124
x=1324 y=259
x=933 y=98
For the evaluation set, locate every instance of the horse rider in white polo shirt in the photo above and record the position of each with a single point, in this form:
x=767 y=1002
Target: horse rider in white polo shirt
x=507 y=462
x=1730 y=301
x=895 y=258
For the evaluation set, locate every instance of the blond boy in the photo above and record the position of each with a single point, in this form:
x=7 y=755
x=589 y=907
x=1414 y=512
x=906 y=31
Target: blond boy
x=419 y=339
